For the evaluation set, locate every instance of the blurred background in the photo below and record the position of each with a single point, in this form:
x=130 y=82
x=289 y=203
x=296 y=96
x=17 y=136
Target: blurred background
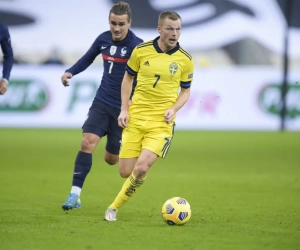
x=247 y=61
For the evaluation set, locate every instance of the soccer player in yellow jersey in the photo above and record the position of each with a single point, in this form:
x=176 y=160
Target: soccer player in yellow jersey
x=161 y=67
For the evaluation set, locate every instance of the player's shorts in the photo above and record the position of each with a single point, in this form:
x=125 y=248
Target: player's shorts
x=151 y=135
x=102 y=120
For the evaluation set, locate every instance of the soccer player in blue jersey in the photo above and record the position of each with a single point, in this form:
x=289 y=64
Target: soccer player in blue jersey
x=162 y=67
x=8 y=57
x=116 y=46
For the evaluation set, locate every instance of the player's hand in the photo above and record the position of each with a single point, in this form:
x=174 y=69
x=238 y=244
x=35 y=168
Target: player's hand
x=65 y=78
x=169 y=115
x=3 y=86
x=123 y=119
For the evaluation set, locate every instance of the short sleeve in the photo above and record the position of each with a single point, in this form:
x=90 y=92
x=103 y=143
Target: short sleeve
x=133 y=63
x=188 y=74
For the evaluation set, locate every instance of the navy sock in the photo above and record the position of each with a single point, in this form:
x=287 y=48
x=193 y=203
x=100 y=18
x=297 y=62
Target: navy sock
x=83 y=164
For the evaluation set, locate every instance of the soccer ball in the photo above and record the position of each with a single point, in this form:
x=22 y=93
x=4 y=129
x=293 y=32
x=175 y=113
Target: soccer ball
x=176 y=211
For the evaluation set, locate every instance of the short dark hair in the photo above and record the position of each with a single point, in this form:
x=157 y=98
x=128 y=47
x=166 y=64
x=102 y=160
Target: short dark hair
x=168 y=14
x=121 y=8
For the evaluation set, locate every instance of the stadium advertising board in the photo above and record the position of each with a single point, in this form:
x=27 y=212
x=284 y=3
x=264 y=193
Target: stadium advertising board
x=221 y=99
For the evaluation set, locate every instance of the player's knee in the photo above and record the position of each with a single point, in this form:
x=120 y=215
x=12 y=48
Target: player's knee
x=141 y=169
x=139 y=173
x=125 y=173
x=125 y=167
x=111 y=160
x=87 y=145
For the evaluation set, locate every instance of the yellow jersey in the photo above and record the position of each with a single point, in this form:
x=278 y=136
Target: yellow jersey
x=159 y=76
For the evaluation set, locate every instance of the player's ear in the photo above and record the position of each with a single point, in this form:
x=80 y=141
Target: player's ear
x=129 y=22
x=158 y=29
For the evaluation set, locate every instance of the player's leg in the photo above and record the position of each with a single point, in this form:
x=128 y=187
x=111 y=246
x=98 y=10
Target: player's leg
x=126 y=166
x=110 y=158
x=83 y=161
x=156 y=142
x=114 y=138
x=83 y=164
x=93 y=129
x=114 y=133
x=133 y=182
x=130 y=150
x=159 y=138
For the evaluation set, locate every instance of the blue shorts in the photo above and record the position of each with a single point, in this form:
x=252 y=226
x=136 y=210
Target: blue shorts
x=102 y=120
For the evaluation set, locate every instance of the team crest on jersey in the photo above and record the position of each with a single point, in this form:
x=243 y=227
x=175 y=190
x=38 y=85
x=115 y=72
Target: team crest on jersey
x=173 y=68
x=113 y=50
x=123 y=51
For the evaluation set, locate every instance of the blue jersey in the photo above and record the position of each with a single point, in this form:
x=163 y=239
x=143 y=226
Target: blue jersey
x=115 y=56
x=8 y=57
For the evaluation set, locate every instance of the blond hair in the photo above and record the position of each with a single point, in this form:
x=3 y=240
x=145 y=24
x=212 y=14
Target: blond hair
x=168 y=14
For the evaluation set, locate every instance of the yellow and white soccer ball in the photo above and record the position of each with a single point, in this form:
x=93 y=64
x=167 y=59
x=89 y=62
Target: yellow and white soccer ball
x=176 y=211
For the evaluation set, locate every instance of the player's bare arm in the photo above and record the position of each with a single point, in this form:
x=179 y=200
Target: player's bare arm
x=126 y=90
x=181 y=100
x=65 y=78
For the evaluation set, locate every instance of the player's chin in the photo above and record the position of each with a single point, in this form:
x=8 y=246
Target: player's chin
x=117 y=37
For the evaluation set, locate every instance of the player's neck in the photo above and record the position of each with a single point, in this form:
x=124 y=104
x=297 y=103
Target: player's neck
x=162 y=46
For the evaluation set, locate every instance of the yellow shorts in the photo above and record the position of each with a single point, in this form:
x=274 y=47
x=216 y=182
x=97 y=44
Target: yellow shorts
x=151 y=135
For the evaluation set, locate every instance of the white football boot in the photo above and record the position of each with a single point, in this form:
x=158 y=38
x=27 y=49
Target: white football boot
x=110 y=214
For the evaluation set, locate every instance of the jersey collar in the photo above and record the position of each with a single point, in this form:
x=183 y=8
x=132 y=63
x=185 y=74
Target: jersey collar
x=170 y=52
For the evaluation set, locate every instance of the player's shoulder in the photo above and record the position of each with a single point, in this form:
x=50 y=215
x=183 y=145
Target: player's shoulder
x=135 y=38
x=138 y=40
x=185 y=53
x=145 y=44
x=104 y=36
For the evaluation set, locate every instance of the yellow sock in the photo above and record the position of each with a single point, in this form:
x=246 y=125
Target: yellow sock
x=128 y=189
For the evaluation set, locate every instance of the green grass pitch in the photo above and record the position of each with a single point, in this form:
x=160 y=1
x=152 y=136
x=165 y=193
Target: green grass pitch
x=244 y=189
